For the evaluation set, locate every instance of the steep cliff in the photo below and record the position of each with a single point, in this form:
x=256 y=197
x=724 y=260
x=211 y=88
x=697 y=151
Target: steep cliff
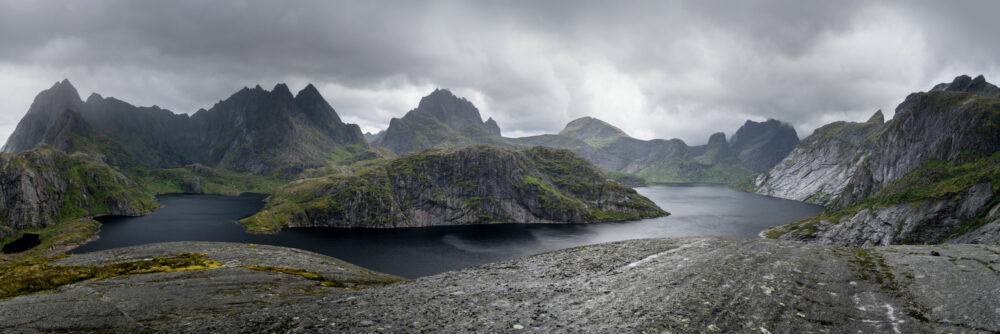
x=821 y=166
x=43 y=186
x=928 y=176
x=761 y=145
x=474 y=185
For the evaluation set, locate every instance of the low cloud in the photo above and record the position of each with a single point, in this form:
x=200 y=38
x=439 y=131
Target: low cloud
x=658 y=69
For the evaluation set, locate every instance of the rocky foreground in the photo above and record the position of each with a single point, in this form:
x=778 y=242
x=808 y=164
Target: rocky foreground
x=654 y=285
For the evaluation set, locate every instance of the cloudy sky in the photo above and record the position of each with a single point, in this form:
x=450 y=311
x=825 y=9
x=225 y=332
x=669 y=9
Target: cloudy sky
x=657 y=69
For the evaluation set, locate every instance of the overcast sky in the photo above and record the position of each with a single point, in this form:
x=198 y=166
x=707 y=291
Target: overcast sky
x=656 y=69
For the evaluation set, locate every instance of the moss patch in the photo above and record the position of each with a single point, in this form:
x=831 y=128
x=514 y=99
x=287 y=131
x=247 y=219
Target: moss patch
x=32 y=276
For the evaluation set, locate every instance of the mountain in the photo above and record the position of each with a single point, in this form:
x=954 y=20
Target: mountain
x=44 y=110
x=821 y=165
x=930 y=175
x=474 y=185
x=658 y=160
x=254 y=130
x=43 y=186
x=760 y=146
x=441 y=120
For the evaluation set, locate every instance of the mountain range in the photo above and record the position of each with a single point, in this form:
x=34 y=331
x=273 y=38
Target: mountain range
x=443 y=120
x=254 y=130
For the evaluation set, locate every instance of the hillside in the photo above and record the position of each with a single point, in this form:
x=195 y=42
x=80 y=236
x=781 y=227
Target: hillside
x=44 y=186
x=473 y=185
x=927 y=176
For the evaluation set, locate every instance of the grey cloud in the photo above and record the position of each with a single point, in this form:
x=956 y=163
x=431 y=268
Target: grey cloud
x=656 y=69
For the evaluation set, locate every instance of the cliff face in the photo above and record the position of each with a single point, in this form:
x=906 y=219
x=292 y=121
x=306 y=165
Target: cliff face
x=254 y=130
x=441 y=120
x=43 y=186
x=821 y=166
x=928 y=176
x=762 y=145
x=474 y=185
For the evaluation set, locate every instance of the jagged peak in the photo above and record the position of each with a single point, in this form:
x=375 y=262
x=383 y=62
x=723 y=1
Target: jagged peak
x=309 y=92
x=877 y=117
x=281 y=89
x=492 y=126
x=964 y=83
x=718 y=138
x=94 y=97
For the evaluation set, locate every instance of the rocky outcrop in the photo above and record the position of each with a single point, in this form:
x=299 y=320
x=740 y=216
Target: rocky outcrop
x=474 y=185
x=689 y=285
x=822 y=165
x=248 y=277
x=928 y=176
x=441 y=120
x=43 y=186
x=254 y=130
x=761 y=145
x=946 y=220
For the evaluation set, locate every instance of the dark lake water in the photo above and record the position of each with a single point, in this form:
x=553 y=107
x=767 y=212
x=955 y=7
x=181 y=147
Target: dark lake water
x=696 y=210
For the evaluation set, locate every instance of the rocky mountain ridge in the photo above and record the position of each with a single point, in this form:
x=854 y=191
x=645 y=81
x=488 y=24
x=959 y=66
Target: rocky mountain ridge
x=928 y=176
x=254 y=130
x=473 y=185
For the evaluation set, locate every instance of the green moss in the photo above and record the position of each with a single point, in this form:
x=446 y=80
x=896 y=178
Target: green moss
x=211 y=180
x=32 y=276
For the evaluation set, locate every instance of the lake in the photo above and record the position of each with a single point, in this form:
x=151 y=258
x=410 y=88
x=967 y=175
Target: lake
x=696 y=210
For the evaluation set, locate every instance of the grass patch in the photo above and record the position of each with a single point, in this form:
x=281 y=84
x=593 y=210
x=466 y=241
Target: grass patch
x=33 y=276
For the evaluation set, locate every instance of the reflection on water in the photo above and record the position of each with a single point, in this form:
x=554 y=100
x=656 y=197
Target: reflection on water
x=696 y=210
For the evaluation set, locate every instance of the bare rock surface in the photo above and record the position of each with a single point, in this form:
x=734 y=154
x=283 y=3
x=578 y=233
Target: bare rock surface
x=164 y=301
x=690 y=285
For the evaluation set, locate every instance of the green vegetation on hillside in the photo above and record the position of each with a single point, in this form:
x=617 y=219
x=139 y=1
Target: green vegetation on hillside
x=37 y=275
x=479 y=180
x=934 y=180
x=210 y=180
x=54 y=239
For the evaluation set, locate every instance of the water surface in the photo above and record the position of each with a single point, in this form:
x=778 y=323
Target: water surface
x=696 y=210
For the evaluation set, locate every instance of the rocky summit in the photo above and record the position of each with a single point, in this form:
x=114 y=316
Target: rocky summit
x=693 y=285
x=441 y=120
x=474 y=185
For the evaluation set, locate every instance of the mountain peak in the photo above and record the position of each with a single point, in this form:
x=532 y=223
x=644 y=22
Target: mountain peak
x=592 y=131
x=492 y=126
x=964 y=83
x=718 y=138
x=877 y=117
x=281 y=89
x=452 y=110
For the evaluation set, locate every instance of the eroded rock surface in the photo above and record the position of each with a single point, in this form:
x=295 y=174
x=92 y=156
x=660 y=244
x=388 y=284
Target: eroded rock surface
x=692 y=285
x=164 y=301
